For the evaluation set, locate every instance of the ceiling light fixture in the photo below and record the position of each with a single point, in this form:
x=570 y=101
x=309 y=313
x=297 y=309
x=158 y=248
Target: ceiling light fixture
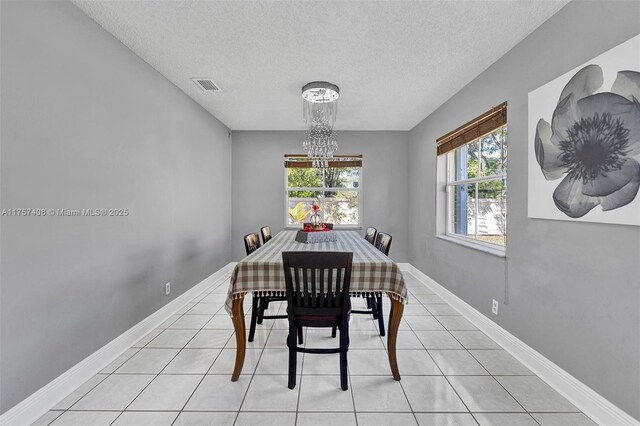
x=320 y=92
x=320 y=107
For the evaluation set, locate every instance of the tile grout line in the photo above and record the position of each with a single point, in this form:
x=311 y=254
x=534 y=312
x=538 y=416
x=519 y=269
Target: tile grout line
x=253 y=374
x=353 y=398
x=505 y=389
x=295 y=422
x=262 y=352
x=443 y=375
x=208 y=369
x=115 y=369
x=490 y=375
x=138 y=349
x=158 y=374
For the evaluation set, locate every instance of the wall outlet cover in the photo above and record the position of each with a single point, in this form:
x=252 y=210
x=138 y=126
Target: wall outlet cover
x=494 y=307
x=167 y=289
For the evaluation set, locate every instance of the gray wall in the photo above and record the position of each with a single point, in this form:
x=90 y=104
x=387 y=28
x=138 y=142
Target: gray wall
x=573 y=289
x=88 y=124
x=258 y=182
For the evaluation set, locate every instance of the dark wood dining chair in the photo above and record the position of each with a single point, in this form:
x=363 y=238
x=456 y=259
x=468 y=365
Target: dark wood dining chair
x=265 y=231
x=370 y=235
x=383 y=242
x=318 y=296
x=259 y=304
x=374 y=303
x=251 y=243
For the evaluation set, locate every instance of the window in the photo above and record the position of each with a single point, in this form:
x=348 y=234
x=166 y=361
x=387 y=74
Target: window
x=476 y=180
x=335 y=189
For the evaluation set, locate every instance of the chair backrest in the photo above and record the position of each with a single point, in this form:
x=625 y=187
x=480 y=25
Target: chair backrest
x=317 y=282
x=383 y=242
x=265 y=231
x=251 y=243
x=370 y=235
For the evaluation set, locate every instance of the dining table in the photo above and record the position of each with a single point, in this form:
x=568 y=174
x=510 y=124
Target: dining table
x=262 y=273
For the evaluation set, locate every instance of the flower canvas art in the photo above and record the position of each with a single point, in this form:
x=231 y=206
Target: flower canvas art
x=584 y=141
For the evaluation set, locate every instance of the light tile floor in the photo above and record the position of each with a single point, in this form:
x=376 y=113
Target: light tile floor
x=452 y=374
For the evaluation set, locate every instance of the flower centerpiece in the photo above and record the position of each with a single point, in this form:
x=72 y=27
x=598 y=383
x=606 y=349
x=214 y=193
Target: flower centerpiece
x=316 y=220
x=316 y=217
x=316 y=231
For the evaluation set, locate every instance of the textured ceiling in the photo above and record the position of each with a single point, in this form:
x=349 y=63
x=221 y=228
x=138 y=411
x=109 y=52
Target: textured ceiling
x=395 y=61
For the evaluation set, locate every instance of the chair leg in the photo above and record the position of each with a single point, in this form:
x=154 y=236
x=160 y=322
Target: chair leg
x=380 y=315
x=344 y=347
x=293 y=356
x=333 y=332
x=254 y=317
x=368 y=303
x=300 y=335
x=261 y=308
x=264 y=305
x=373 y=307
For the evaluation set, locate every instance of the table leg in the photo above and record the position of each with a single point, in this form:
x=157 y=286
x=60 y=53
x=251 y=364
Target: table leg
x=237 y=316
x=394 y=322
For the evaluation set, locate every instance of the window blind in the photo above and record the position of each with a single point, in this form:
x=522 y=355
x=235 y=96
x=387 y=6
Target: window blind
x=302 y=161
x=485 y=123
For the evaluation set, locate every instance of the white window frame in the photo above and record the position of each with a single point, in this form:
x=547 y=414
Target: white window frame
x=322 y=189
x=450 y=181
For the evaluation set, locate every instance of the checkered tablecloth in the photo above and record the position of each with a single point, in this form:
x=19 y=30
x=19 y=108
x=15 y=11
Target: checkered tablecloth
x=261 y=272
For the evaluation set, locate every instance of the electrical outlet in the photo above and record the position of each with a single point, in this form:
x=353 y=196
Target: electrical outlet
x=494 y=307
x=167 y=289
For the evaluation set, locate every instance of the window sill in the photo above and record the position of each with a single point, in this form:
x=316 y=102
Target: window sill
x=474 y=245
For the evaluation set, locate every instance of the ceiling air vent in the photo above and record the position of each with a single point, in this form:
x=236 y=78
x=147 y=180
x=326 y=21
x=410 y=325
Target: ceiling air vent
x=206 y=84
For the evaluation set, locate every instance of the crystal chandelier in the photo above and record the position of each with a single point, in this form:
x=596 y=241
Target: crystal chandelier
x=320 y=108
x=320 y=143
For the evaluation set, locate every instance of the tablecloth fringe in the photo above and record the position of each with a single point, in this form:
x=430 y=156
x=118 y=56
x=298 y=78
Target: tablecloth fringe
x=399 y=298
x=280 y=293
x=270 y=293
x=366 y=293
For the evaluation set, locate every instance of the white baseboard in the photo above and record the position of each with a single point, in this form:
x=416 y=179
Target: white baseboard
x=586 y=399
x=33 y=407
